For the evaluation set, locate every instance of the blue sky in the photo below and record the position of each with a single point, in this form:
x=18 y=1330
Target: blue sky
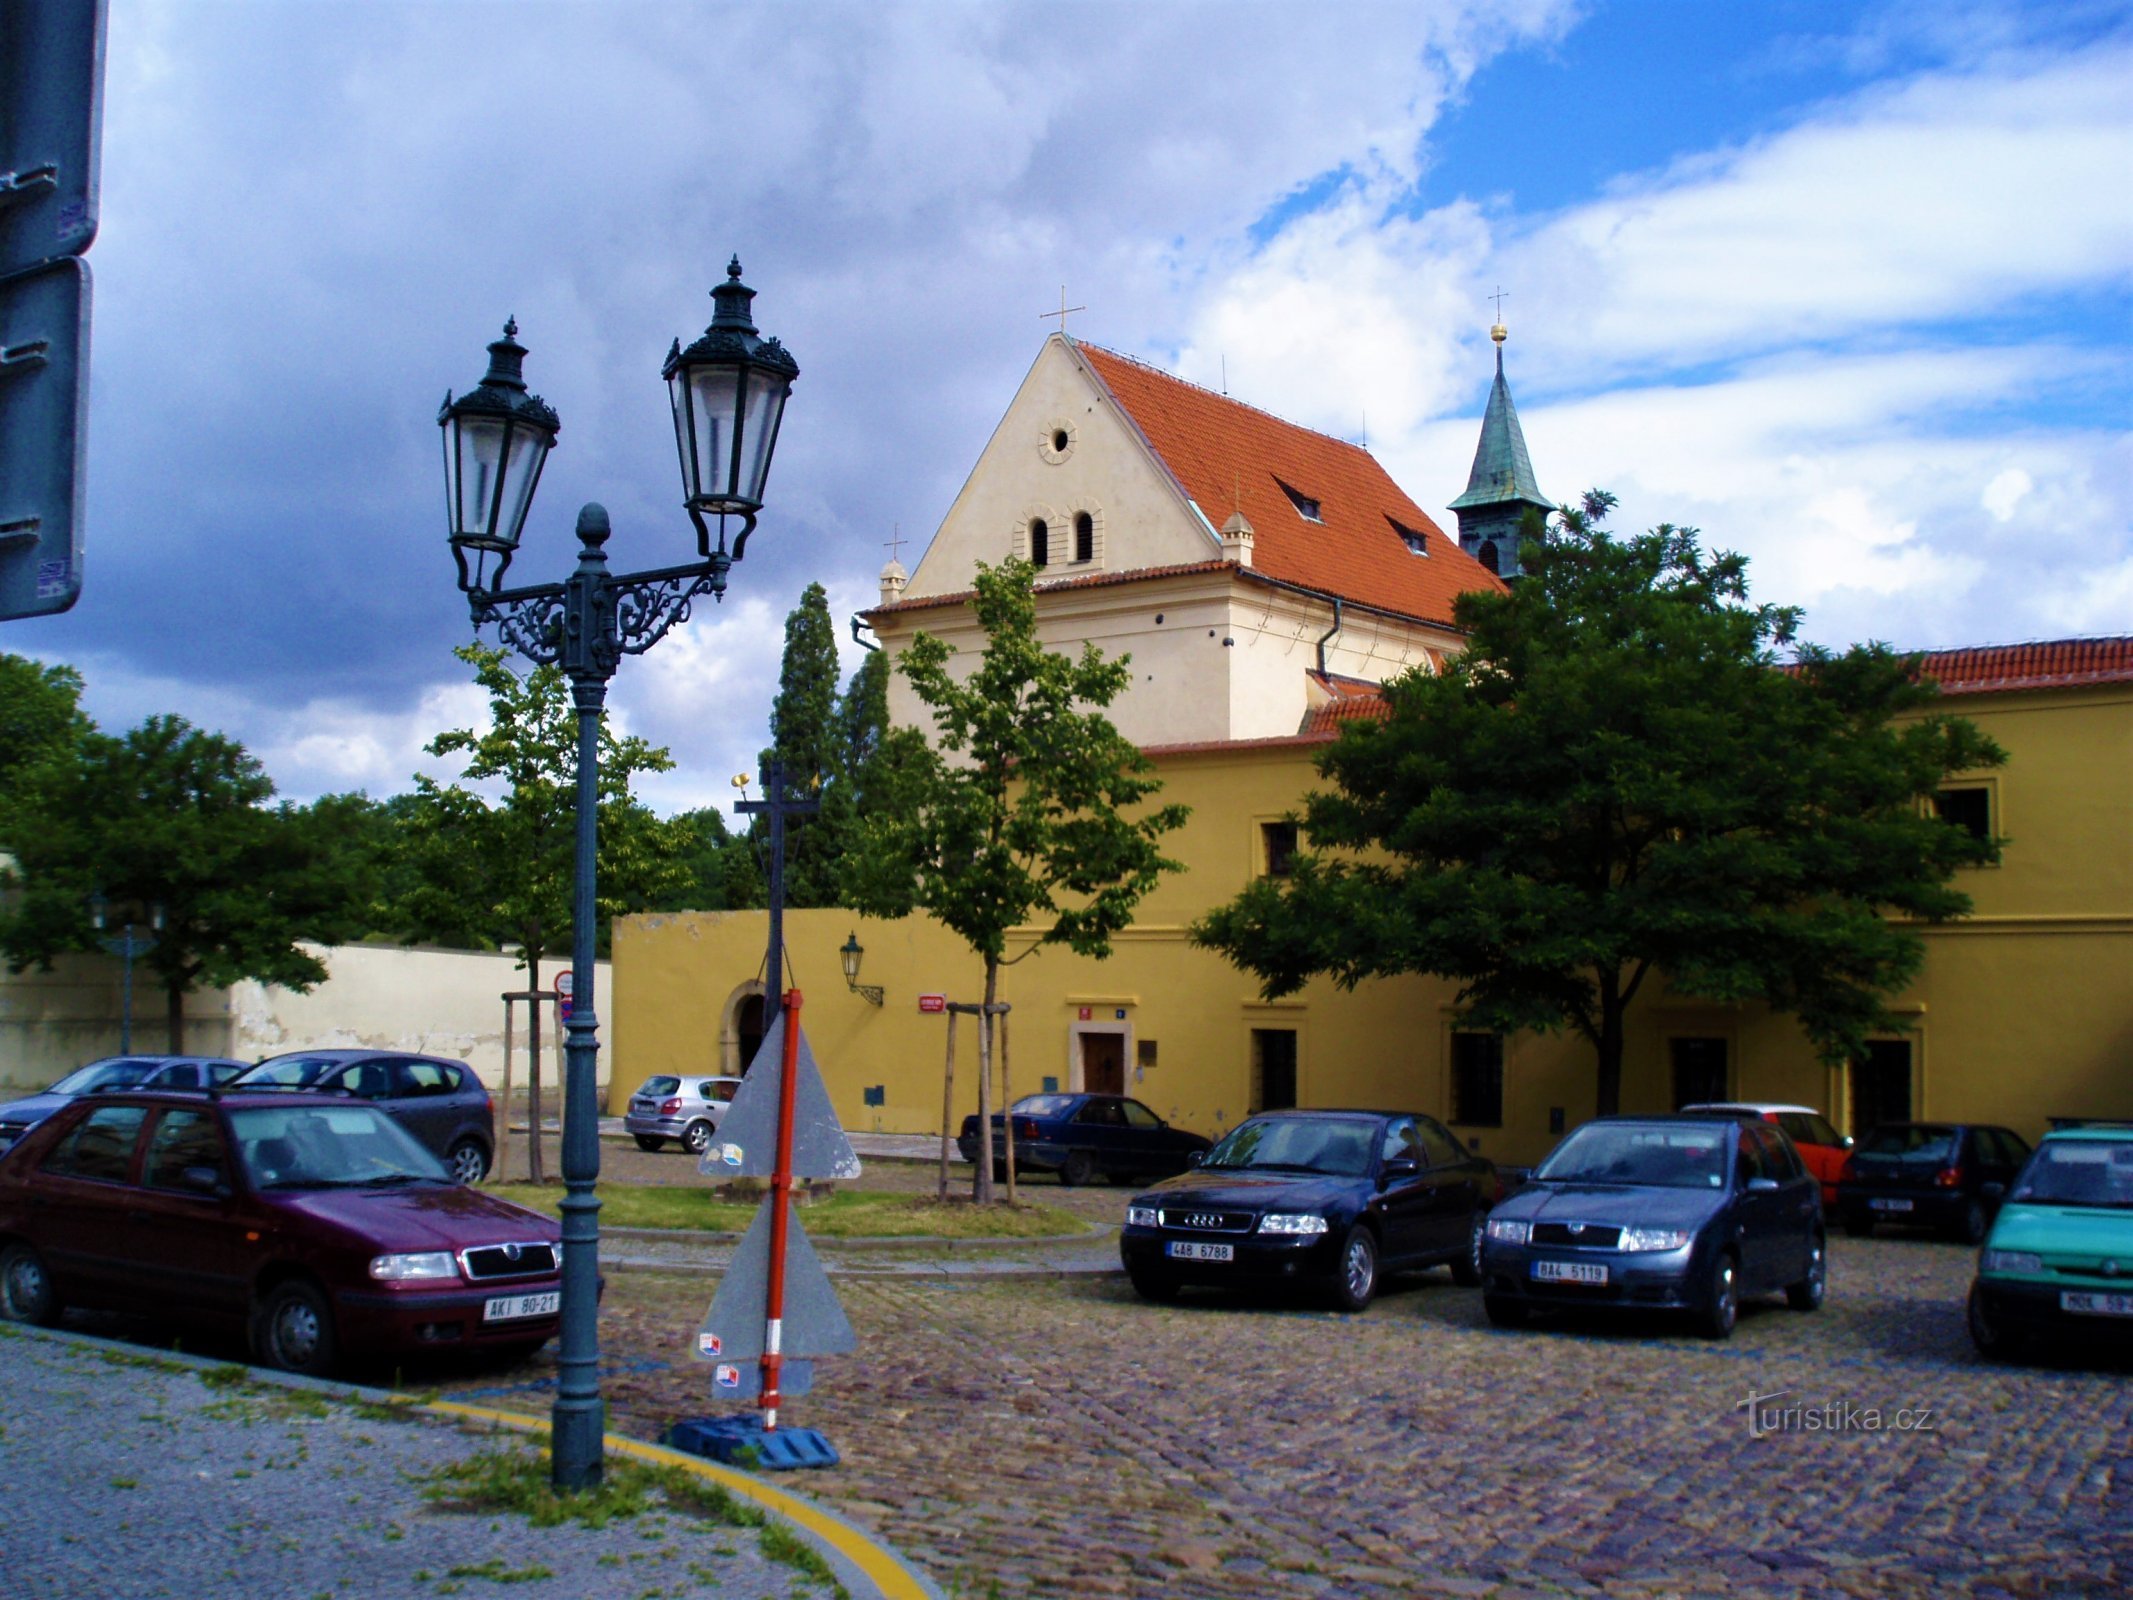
x=1850 y=287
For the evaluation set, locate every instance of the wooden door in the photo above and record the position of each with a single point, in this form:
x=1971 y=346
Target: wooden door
x=1103 y=1063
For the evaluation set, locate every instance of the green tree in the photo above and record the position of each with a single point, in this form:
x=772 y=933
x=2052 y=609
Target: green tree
x=1016 y=812
x=1616 y=777
x=173 y=818
x=804 y=735
x=722 y=873
x=40 y=718
x=494 y=874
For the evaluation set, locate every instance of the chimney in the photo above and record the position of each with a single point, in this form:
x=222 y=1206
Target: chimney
x=893 y=580
x=1237 y=540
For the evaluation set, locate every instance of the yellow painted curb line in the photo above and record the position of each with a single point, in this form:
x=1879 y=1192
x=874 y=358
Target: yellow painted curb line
x=881 y=1568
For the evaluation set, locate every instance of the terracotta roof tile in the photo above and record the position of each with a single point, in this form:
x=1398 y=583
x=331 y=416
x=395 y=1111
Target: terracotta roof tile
x=2048 y=664
x=925 y=602
x=1328 y=718
x=1230 y=456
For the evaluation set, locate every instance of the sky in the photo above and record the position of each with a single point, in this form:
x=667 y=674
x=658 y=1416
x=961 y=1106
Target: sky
x=1847 y=286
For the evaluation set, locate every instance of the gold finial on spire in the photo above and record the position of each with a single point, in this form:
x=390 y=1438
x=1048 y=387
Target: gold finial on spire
x=1497 y=330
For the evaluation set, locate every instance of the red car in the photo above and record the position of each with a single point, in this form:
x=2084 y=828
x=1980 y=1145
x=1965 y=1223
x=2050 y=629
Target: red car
x=1822 y=1148
x=315 y=1224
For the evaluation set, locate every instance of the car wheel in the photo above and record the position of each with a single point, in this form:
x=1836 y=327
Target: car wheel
x=1721 y=1299
x=1466 y=1269
x=648 y=1141
x=1503 y=1312
x=696 y=1137
x=1994 y=1339
x=468 y=1161
x=1806 y=1295
x=1858 y=1225
x=1078 y=1168
x=1975 y=1222
x=26 y=1292
x=1149 y=1284
x=1358 y=1279
x=294 y=1331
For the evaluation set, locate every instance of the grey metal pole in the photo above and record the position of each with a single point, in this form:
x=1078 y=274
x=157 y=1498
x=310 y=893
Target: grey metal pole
x=126 y=998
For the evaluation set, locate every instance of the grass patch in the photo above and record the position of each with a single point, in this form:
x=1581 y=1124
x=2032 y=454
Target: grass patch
x=845 y=1215
x=496 y=1572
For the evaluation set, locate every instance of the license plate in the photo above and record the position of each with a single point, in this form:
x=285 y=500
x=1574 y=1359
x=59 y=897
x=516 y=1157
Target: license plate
x=1193 y=1250
x=1890 y=1205
x=2096 y=1305
x=511 y=1307
x=1570 y=1271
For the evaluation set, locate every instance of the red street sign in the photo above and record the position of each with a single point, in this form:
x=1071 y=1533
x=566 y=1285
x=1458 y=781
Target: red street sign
x=933 y=1002
x=565 y=983
x=1086 y=1013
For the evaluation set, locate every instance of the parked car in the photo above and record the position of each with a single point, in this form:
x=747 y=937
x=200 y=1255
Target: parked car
x=113 y=1072
x=1326 y=1199
x=687 y=1110
x=1950 y=1176
x=1822 y=1148
x=314 y=1223
x=1086 y=1136
x=2059 y=1259
x=1681 y=1213
x=440 y=1101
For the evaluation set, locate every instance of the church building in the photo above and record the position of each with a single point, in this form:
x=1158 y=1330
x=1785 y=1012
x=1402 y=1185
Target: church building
x=1266 y=579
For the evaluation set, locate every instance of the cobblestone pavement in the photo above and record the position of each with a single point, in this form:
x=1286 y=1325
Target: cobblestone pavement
x=126 y=1477
x=1053 y=1436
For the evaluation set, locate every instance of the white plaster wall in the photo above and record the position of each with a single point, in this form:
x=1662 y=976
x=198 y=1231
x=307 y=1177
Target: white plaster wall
x=52 y=1022
x=434 y=1002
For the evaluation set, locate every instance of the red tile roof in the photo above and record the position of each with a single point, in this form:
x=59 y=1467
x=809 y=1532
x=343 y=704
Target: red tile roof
x=1327 y=719
x=2050 y=664
x=1230 y=456
x=1097 y=580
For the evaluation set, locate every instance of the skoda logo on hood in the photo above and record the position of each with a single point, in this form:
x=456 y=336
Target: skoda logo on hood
x=511 y=1252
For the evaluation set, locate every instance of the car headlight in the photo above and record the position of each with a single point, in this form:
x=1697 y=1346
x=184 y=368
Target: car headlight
x=421 y=1264
x=2012 y=1261
x=1653 y=1239
x=1140 y=1216
x=1510 y=1232
x=1292 y=1222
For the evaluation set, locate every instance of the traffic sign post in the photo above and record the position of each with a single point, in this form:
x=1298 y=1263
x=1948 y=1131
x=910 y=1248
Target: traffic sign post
x=51 y=121
x=565 y=988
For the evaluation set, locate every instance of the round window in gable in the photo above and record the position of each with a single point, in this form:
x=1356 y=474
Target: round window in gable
x=1056 y=442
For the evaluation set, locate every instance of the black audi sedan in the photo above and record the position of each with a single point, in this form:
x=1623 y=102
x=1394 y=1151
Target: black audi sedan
x=1681 y=1213
x=1329 y=1200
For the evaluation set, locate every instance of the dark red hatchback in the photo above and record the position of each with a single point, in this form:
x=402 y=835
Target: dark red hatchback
x=312 y=1223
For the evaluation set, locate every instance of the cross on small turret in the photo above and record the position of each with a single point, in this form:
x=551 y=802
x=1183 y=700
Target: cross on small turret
x=1499 y=297
x=1063 y=311
x=895 y=546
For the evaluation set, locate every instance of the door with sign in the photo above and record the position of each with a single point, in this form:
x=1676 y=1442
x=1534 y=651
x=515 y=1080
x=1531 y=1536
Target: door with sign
x=1103 y=1063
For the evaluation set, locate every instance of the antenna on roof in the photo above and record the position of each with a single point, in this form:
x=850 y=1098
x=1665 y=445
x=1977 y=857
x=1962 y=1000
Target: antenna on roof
x=1225 y=375
x=1364 y=442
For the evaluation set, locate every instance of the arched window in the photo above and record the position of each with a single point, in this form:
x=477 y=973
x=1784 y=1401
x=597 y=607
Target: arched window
x=1487 y=553
x=1040 y=543
x=1084 y=536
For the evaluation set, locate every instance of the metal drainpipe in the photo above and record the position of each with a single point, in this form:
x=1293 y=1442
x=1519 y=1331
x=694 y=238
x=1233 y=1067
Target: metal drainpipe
x=857 y=624
x=1328 y=634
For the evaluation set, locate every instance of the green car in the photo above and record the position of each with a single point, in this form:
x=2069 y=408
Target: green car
x=2059 y=1260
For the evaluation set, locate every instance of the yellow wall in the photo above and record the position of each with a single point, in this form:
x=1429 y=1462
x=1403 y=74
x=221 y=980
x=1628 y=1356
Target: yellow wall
x=2023 y=1012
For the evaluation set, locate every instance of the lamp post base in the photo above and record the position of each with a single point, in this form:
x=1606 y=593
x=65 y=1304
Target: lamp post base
x=742 y=1440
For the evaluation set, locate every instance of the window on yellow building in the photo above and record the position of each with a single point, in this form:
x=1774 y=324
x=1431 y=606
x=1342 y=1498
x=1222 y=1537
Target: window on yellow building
x=1968 y=806
x=1477 y=1080
x=1273 y=1069
x=1277 y=848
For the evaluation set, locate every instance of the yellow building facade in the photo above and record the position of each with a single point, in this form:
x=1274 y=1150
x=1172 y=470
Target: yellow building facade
x=2023 y=1011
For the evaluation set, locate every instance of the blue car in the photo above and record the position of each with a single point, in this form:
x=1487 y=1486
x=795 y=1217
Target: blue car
x=114 y=1072
x=1082 y=1137
x=1676 y=1213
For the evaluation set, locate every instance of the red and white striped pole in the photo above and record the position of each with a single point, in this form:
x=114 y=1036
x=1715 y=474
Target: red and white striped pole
x=780 y=1215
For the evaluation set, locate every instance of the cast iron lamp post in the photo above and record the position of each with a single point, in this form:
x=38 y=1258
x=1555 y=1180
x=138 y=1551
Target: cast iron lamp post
x=728 y=391
x=126 y=946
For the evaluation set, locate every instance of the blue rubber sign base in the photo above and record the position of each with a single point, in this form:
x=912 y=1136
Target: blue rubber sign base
x=739 y=1441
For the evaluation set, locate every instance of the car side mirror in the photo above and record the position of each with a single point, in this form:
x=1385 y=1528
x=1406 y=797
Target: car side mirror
x=204 y=1180
x=1846 y=1142
x=1399 y=1167
x=1762 y=1185
x=1194 y=1157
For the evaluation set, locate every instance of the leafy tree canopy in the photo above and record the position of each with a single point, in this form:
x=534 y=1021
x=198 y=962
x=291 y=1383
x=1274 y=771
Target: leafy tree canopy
x=1617 y=777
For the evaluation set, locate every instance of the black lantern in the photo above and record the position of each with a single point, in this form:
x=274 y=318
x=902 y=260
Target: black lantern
x=850 y=952
x=496 y=437
x=728 y=390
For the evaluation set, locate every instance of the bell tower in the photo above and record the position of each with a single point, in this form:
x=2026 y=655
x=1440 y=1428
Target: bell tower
x=1500 y=490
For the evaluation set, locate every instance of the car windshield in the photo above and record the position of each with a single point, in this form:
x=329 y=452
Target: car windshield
x=1911 y=1142
x=1297 y=1144
x=291 y=1072
x=120 y=1074
x=329 y=1147
x=2079 y=1172
x=1671 y=1155
x=660 y=1086
x=1044 y=1105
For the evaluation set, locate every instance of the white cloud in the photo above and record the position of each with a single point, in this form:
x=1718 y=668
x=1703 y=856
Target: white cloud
x=2005 y=492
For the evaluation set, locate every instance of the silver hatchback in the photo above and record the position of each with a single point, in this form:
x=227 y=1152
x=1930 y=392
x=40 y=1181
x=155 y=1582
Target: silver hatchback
x=683 y=1109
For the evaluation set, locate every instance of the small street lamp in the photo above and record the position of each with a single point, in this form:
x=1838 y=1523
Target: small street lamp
x=127 y=946
x=851 y=952
x=728 y=391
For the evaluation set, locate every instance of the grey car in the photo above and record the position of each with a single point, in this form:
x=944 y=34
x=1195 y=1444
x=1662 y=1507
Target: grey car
x=687 y=1110
x=114 y=1072
x=440 y=1101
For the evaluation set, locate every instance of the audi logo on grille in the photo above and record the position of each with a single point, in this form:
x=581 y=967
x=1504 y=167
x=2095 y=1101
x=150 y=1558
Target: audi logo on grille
x=1202 y=1219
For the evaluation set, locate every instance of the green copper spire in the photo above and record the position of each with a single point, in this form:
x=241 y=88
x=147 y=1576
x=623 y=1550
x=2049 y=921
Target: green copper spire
x=1500 y=489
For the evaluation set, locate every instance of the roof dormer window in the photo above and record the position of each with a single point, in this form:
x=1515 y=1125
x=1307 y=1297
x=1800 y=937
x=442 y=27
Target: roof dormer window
x=1306 y=507
x=1414 y=538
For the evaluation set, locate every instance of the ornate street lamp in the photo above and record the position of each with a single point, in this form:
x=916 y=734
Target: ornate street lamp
x=729 y=392
x=851 y=952
x=127 y=947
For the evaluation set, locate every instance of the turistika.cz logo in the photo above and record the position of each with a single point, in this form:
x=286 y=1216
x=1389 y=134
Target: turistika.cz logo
x=1768 y=1416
